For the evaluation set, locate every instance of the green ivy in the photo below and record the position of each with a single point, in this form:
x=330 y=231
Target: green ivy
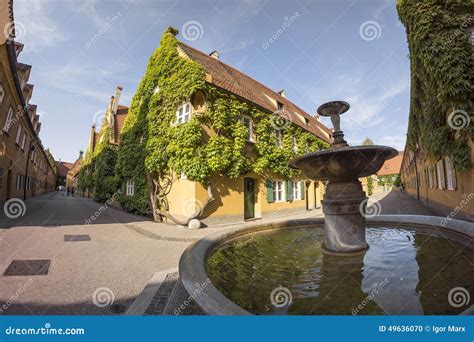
x=442 y=73
x=212 y=142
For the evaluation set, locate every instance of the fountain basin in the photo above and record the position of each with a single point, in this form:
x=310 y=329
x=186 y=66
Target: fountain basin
x=344 y=164
x=195 y=271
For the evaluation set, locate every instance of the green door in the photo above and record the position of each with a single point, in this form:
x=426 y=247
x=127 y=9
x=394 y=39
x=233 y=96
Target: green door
x=249 y=198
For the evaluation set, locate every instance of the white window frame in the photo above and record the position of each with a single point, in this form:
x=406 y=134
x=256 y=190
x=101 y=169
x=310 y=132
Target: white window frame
x=8 y=121
x=279 y=137
x=279 y=191
x=440 y=174
x=297 y=190
x=130 y=187
x=295 y=145
x=450 y=174
x=2 y=93
x=23 y=141
x=18 y=135
x=184 y=116
x=247 y=119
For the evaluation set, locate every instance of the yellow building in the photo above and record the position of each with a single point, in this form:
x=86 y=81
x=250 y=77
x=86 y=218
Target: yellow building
x=438 y=163
x=26 y=169
x=249 y=196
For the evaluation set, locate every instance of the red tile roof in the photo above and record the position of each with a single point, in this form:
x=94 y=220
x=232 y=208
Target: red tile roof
x=391 y=166
x=63 y=168
x=236 y=82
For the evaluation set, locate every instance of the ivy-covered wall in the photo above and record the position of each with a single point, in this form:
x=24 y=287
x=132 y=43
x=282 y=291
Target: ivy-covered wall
x=442 y=74
x=213 y=141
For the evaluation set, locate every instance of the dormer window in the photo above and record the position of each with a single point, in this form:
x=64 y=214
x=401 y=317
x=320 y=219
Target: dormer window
x=248 y=123
x=183 y=113
x=306 y=121
x=279 y=106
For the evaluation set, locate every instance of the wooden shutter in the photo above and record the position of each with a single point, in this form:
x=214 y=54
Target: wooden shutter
x=289 y=190
x=269 y=186
x=302 y=189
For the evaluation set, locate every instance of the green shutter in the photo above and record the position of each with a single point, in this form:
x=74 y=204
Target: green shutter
x=302 y=189
x=269 y=186
x=289 y=190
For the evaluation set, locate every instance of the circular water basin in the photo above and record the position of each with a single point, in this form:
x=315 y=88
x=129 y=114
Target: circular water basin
x=406 y=271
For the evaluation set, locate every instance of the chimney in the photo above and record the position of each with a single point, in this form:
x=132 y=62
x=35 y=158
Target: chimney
x=282 y=93
x=118 y=92
x=81 y=153
x=214 y=54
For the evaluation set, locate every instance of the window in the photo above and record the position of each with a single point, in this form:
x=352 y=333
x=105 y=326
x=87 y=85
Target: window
x=157 y=89
x=248 y=123
x=2 y=94
x=8 y=121
x=130 y=190
x=23 y=142
x=295 y=145
x=450 y=174
x=278 y=137
x=440 y=174
x=19 y=181
x=279 y=105
x=183 y=113
x=279 y=191
x=297 y=190
x=430 y=177
x=18 y=135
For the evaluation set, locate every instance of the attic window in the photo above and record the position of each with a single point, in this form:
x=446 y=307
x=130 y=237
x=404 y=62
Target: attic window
x=306 y=121
x=279 y=105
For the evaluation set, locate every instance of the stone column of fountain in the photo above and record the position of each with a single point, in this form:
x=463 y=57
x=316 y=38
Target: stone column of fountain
x=342 y=166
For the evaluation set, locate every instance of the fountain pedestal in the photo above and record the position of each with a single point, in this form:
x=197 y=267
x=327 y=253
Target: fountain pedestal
x=344 y=225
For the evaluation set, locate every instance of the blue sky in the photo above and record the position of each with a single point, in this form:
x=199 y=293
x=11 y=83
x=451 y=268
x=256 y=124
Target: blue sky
x=320 y=50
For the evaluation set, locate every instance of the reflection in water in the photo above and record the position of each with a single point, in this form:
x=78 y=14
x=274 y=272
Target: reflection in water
x=401 y=273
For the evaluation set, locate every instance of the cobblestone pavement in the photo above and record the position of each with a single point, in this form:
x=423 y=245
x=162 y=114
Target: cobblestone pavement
x=105 y=274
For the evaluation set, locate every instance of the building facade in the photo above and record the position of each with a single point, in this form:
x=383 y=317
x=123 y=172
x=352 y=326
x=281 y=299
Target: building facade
x=438 y=164
x=26 y=169
x=268 y=131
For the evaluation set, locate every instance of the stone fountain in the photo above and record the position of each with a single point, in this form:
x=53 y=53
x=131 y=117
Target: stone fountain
x=342 y=165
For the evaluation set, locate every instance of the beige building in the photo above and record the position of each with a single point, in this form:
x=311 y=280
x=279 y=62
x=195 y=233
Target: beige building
x=25 y=169
x=249 y=196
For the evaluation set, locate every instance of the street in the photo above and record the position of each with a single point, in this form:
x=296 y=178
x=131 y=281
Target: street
x=116 y=263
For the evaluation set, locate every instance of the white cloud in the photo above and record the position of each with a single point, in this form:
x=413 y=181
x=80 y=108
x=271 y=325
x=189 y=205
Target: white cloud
x=41 y=30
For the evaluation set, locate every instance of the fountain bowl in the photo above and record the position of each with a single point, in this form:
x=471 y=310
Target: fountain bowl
x=344 y=164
